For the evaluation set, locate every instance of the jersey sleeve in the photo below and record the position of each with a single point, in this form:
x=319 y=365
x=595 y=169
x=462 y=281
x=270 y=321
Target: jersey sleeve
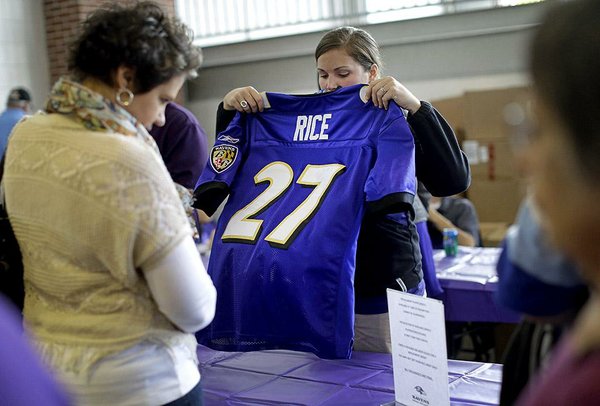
x=391 y=184
x=224 y=160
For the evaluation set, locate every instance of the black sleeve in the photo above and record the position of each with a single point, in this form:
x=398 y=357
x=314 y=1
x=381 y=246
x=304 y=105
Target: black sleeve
x=209 y=196
x=224 y=117
x=441 y=165
x=392 y=203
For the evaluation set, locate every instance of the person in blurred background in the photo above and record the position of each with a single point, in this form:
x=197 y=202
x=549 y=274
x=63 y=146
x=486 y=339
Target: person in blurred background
x=24 y=379
x=17 y=105
x=451 y=212
x=538 y=281
x=564 y=172
x=182 y=143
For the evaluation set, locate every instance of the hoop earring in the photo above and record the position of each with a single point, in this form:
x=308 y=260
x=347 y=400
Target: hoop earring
x=124 y=96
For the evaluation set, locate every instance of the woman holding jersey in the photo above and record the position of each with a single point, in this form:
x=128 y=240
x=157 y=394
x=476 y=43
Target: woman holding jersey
x=388 y=254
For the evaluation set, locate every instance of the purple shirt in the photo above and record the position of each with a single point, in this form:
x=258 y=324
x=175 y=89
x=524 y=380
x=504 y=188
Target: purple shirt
x=23 y=378
x=569 y=379
x=183 y=145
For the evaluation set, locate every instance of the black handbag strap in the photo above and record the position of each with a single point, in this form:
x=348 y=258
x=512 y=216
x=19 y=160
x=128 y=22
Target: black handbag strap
x=2 y=204
x=1 y=175
x=11 y=262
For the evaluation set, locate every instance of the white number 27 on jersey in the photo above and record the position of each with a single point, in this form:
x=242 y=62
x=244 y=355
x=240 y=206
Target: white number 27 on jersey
x=243 y=228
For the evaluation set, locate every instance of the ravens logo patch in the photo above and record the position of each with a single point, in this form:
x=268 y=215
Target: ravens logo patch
x=222 y=157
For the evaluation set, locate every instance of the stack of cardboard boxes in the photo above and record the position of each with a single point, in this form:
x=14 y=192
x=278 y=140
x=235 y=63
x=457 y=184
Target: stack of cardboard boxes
x=480 y=122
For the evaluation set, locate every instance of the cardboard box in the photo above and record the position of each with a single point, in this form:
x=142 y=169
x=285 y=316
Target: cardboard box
x=484 y=111
x=492 y=233
x=491 y=159
x=453 y=110
x=498 y=200
x=479 y=120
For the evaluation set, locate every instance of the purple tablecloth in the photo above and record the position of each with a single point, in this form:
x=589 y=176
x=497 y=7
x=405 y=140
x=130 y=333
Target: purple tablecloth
x=296 y=378
x=469 y=281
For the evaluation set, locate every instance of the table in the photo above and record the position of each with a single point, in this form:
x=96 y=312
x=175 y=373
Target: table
x=469 y=281
x=295 y=378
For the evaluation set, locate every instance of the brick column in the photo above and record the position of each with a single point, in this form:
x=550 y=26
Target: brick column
x=63 y=18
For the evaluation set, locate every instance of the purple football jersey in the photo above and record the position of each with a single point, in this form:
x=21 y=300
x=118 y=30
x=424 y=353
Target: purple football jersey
x=299 y=176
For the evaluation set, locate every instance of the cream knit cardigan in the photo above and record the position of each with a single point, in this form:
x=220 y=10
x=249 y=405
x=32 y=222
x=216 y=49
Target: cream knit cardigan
x=90 y=210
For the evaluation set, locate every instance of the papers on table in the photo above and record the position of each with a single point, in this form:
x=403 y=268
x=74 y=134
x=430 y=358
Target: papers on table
x=419 y=357
x=471 y=264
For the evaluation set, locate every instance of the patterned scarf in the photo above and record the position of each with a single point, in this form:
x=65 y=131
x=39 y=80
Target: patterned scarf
x=97 y=113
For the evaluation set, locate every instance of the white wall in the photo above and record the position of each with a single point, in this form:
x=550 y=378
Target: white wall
x=23 y=55
x=435 y=57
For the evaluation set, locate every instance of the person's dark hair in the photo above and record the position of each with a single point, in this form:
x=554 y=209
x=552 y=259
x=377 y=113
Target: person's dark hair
x=565 y=65
x=141 y=37
x=358 y=43
x=18 y=97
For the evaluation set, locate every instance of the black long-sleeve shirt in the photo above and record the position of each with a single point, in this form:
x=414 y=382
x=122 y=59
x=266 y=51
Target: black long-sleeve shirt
x=388 y=249
x=441 y=165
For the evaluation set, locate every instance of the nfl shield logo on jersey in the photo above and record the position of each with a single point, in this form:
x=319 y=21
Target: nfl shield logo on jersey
x=222 y=157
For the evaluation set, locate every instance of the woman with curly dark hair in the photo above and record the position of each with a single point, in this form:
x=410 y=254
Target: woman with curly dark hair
x=114 y=284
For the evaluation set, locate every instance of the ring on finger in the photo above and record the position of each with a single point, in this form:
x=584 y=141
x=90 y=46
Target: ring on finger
x=244 y=104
